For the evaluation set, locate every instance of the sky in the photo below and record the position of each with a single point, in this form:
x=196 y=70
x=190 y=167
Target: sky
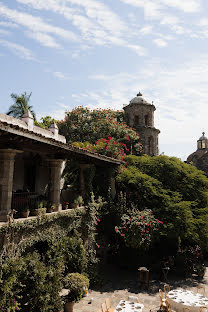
x=101 y=53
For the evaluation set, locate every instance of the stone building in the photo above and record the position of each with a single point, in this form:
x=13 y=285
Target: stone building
x=139 y=114
x=32 y=160
x=200 y=157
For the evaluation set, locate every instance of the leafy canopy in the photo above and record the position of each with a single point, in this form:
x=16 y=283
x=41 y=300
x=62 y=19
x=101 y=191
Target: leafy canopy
x=21 y=105
x=82 y=124
x=176 y=192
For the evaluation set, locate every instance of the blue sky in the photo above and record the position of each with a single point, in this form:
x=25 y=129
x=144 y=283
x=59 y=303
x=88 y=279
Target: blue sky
x=101 y=53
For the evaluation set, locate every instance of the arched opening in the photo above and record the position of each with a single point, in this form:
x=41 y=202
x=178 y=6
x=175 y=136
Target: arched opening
x=146 y=120
x=150 y=145
x=136 y=120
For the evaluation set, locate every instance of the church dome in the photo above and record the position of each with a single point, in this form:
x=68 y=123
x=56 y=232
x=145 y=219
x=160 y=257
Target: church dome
x=202 y=142
x=138 y=99
x=203 y=137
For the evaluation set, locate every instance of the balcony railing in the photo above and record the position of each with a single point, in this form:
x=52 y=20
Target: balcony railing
x=21 y=200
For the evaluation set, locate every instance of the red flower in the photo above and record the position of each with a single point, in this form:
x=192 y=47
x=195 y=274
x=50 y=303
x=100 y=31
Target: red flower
x=98 y=220
x=141 y=217
x=98 y=246
x=116 y=230
x=122 y=234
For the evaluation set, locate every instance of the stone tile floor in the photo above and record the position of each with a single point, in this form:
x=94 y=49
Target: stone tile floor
x=119 y=284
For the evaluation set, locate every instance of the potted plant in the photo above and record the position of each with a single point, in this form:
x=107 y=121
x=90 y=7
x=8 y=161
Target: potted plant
x=75 y=283
x=51 y=208
x=78 y=202
x=66 y=205
x=25 y=212
x=40 y=210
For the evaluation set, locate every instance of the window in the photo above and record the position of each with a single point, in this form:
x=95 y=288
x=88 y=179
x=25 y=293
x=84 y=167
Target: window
x=146 y=120
x=136 y=120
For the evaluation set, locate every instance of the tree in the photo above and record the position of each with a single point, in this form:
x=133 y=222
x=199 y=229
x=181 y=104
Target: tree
x=21 y=105
x=45 y=122
x=82 y=124
x=177 y=194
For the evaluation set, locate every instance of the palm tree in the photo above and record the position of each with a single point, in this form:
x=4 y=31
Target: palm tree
x=21 y=105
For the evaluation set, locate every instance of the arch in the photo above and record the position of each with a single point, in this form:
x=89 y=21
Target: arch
x=146 y=120
x=136 y=120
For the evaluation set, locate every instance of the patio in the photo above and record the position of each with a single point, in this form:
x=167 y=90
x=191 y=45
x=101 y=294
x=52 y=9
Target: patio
x=120 y=284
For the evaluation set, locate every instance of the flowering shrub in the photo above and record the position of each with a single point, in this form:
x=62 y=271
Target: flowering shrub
x=109 y=147
x=82 y=124
x=137 y=227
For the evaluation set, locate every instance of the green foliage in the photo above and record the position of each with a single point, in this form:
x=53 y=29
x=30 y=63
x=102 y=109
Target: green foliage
x=75 y=282
x=109 y=147
x=71 y=252
x=21 y=105
x=137 y=228
x=45 y=122
x=29 y=284
x=177 y=194
x=41 y=285
x=84 y=125
x=10 y=285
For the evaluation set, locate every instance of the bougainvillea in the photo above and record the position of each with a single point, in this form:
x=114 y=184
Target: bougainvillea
x=137 y=227
x=109 y=147
x=82 y=124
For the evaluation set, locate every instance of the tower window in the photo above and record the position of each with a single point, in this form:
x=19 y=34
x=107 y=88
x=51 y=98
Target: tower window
x=146 y=120
x=136 y=120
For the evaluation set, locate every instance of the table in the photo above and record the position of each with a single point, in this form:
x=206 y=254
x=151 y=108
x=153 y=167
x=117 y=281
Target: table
x=128 y=306
x=181 y=298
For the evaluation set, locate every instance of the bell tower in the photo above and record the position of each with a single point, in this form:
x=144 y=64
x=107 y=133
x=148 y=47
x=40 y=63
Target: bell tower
x=139 y=114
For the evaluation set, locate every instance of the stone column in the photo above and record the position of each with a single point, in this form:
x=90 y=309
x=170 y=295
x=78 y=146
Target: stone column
x=112 y=182
x=82 y=178
x=56 y=168
x=6 y=181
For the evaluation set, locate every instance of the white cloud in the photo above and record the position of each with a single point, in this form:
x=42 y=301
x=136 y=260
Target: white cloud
x=44 y=39
x=18 y=49
x=160 y=42
x=97 y=23
x=146 y=30
x=61 y=75
x=39 y=29
x=8 y=24
x=188 y=6
x=203 y=22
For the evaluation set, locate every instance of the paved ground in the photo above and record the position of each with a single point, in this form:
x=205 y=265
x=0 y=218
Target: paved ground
x=120 y=284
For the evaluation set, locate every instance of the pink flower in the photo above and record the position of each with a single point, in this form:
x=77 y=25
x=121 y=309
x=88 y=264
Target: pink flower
x=98 y=246
x=122 y=234
x=98 y=220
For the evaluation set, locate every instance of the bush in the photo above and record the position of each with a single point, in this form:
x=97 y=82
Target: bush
x=75 y=282
x=176 y=192
x=27 y=284
x=41 y=285
x=71 y=252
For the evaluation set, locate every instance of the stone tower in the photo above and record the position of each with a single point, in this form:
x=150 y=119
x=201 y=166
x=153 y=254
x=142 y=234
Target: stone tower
x=139 y=114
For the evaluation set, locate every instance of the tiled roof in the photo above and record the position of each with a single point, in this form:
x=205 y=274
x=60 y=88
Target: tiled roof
x=18 y=128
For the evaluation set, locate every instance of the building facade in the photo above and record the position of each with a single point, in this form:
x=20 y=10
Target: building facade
x=139 y=114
